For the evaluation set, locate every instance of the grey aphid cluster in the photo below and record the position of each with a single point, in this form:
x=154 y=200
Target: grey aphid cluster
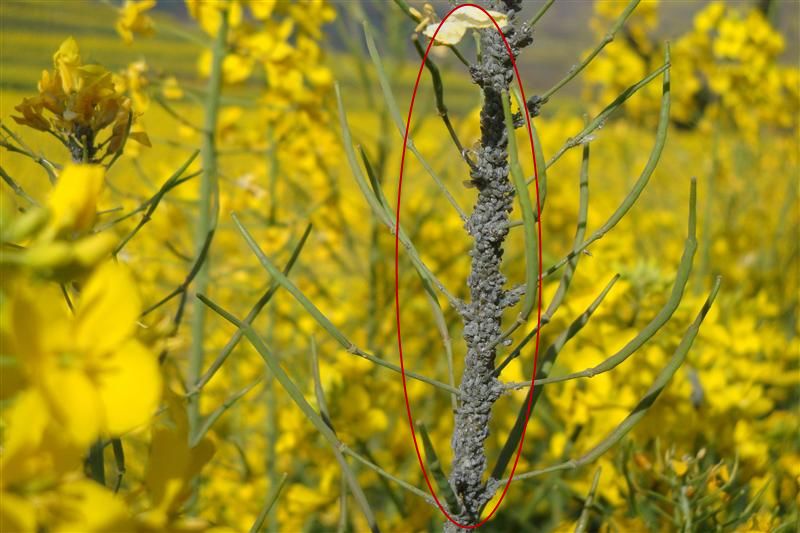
x=488 y=226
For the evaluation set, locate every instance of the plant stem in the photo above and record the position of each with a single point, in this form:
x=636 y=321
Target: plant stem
x=583 y=521
x=17 y=188
x=208 y=186
x=641 y=408
x=297 y=397
x=482 y=316
x=96 y=462
x=574 y=71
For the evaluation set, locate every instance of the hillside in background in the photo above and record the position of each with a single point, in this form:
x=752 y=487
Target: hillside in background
x=31 y=30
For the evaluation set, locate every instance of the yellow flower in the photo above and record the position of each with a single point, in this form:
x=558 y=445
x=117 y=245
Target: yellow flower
x=208 y=13
x=134 y=80
x=132 y=19
x=236 y=68
x=94 y=376
x=57 y=240
x=680 y=467
x=67 y=61
x=261 y=9
x=706 y=19
x=171 y=89
x=40 y=482
x=82 y=101
x=79 y=505
x=172 y=465
x=73 y=202
x=34 y=448
x=85 y=506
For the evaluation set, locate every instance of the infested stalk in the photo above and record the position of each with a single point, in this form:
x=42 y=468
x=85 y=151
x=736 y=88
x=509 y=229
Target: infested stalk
x=498 y=179
x=482 y=315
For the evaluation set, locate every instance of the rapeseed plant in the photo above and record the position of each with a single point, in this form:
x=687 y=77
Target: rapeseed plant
x=107 y=389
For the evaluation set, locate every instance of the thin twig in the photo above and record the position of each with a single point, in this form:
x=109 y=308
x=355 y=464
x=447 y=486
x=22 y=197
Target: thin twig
x=17 y=188
x=532 y=22
x=23 y=149
x=599 y=121
x=575 y=70
x=183 y=287
x=380 y=208
x=297 y=397
x=583 y=520
x=268 y=504
x=638 y=187
x=644 y=404
x=153 y=204
x=251 y=316
x=664 y=314
x=395 y=113
x=206 y=220
x=321 y=319
x=380 y=471
x=438 y=89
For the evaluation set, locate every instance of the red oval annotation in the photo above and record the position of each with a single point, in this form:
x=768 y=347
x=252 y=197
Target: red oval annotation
x=397 y=270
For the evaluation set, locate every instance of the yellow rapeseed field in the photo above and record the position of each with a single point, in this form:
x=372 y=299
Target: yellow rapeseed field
x=197 y=288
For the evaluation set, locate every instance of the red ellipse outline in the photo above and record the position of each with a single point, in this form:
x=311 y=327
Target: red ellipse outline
x=397 y=269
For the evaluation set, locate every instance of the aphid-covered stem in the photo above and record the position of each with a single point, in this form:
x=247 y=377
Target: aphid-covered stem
x=488 y=226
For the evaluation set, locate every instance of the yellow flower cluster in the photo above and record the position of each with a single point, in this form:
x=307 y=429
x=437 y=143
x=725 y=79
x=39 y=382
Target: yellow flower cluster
x=83 y=364
x=133 y=19
x=279 y=38
x=734 y=396
x=736 y=54
x=82 y=101
x=725 y=70
x=75 y=373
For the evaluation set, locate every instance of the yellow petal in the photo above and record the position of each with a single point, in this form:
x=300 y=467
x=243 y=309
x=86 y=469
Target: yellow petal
x=73 y=201
x=35 y=447
x=67 y=60
x=140 y=137
x=90 y=250
x=236 y=68
x=172 y=465
x=473 y=17
x=25 y=424
x=129 y=384
x=261 y=9
x=680 y=467
x=107 y=311
x=448 y=33
x=87 y=506
x=37 y=328
x=16 y=514
x=74 y=402
x=171 y=89
x=26 y=322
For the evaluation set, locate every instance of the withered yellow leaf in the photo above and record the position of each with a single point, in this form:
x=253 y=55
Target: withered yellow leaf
x=454 y=28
